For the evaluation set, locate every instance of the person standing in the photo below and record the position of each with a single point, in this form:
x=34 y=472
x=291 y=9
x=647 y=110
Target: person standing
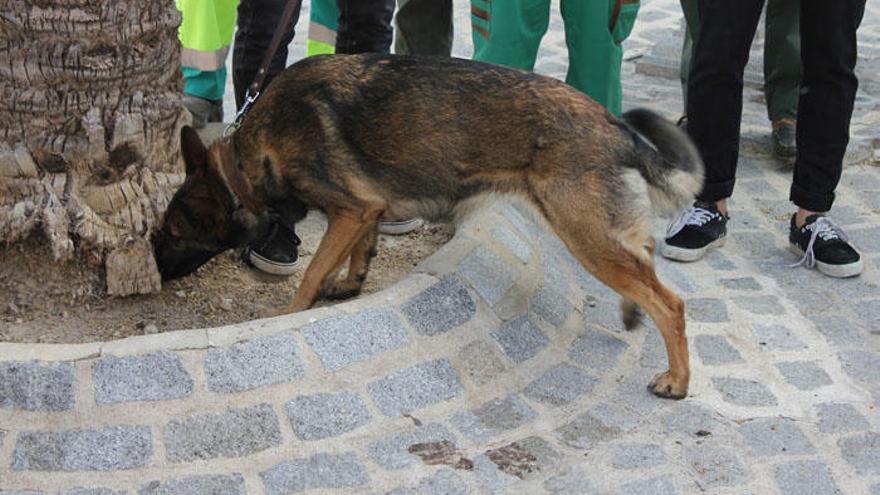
x=424 y=27
x=714 y=109
x=782 y=67
x=510 y=32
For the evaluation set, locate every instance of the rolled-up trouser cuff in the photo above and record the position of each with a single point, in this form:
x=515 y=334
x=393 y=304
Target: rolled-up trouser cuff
x=809 y=200
x=716 y=191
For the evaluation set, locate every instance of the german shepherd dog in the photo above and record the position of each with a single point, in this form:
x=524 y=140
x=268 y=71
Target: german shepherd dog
x=377 y=137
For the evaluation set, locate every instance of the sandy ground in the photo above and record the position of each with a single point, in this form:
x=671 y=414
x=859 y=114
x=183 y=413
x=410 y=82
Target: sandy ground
x=41 y=301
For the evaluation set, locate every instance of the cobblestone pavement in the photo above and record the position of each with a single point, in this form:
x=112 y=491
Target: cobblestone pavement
x=498 y=365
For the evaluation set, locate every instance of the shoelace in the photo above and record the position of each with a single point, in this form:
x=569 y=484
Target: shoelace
x=692 y=215
x=822 y=228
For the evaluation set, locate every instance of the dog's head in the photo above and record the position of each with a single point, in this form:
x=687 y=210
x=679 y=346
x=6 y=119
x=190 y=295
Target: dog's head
x=204 y=218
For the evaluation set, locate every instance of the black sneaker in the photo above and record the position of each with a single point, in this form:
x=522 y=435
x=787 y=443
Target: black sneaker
x=276 y=253
x=784 y=138
x=825 y=246
x=697 y=229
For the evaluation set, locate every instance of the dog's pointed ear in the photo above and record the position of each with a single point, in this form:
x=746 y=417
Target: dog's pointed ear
x=195 y=155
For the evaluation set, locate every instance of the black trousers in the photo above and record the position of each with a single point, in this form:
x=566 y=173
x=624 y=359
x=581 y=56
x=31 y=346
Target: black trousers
x=364 y=26
x=257 y=20
x=714 y=106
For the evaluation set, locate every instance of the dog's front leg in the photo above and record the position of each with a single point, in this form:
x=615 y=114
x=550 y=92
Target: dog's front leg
x=345 y=228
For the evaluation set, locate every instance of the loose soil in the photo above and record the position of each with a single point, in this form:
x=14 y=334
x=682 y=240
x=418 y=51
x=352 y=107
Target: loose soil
x=45 y=302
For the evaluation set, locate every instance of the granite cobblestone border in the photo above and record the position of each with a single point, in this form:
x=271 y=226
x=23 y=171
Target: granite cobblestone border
x=497 y=366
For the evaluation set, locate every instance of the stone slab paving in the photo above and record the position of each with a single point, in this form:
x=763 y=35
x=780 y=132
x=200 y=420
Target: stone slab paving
x=499 y=365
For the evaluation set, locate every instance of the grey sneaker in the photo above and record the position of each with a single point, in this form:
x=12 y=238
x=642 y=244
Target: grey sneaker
x=401 y=227
x=785 y=138
x=202 y=110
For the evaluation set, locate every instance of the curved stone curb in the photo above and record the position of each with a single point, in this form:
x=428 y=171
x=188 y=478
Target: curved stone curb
x=499 y=364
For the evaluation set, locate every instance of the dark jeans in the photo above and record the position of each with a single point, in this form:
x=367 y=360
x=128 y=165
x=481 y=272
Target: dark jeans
x=364 y=26
x=257 y=20
x=828 y=89
x=424 y=27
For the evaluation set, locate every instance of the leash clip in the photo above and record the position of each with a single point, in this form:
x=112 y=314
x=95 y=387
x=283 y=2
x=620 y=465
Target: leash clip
x=249 y=99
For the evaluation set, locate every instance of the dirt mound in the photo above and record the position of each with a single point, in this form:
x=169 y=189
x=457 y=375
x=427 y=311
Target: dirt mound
x=41 y=301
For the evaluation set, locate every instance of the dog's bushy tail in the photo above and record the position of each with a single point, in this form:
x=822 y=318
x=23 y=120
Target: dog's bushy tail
x=670 y=163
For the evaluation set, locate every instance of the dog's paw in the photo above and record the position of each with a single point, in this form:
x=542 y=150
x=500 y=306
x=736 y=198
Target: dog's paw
x=340 y=291
x=666 y=386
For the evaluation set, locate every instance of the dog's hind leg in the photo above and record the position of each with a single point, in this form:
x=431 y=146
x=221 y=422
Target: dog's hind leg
x=358 y=266
x=345 y=228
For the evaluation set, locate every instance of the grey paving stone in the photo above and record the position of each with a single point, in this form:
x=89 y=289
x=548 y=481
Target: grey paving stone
x=602 y=313
x=661 y=485
x=489 y=275
x=90 y=491
x=719 y=261
x=757 y=245
x=234 y=433
x=520 y=339
x=869 y=312
x=392 y=452
x=839 y=330
x=550 y=306
x=636 y=455
x=863 y=366
x=706 y=310
x=668 y=272
x=716 y=466
x=862 y=452
x=714 y=350
x=443 y=482
x=418 y=386
x=36 y=386
x=321 y=471
x=776 y=338
x=211 y=484
x=318 y=416
x=805 y=375
x=258 y=363
x=875 y=489
x=758 y=187
x=740 y=283
x=744 y=392
x=480 y=361
x=20 y=492
x=155 y=376
x=775 y=436
x=440 y=308
x=805 y=478
x=560 y=385
x=512 y=242
x=106 y=449
x=575 y=480
x=493 y=418
x=597 y=350
x=347 y=339
x=489 y=477
x=760 y=305
x=840 y=418
x=690 y=418
x=601 y=423
x=555 y=277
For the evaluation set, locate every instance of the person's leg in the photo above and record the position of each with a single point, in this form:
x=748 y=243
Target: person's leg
x=828 y=52
x=424 y=27
x=715 y=87
x=364 y=26
x=594 y=31
x=256 y=24
x=509 y=33
x=782 y=72
x=828 y=91
x=323 y=18
x=714 y=111
x=782 y=58
x=691 y=32
x=205 y=34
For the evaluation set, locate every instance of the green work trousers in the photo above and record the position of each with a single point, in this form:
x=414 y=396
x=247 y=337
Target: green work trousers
x=509 y=33
x=205 y=33
x=782 y=55
x=323 y=22
x=424 y=27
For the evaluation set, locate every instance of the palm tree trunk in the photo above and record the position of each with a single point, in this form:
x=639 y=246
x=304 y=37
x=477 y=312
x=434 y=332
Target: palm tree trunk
x=89 y=123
